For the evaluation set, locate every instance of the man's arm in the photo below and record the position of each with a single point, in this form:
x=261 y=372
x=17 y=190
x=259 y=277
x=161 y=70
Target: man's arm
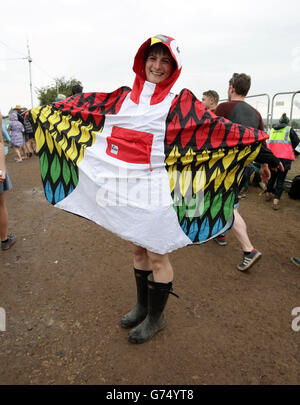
x=294 y=139
x=267 y=160
x=266 y=156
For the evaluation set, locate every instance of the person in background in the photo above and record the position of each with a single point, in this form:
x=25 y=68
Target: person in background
x=240 y=112
x=251 y=177
x=7 y=240
x=18 y=110
x=210 y=99
x=29 y=137
x=15 y=130
x=76 y=88
x=60 y=97
x=282 y=142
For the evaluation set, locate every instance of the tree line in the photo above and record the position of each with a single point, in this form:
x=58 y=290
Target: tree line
x=61 y=85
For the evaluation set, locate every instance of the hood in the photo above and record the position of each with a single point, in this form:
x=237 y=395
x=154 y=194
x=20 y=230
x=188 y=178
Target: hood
x=13 y=117
x=161 y=89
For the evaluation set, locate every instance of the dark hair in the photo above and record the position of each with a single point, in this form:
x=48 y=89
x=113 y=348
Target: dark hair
x=241 y=83
x=284 y=119
x=159 y=48
x=76 y=88
x=212 y=93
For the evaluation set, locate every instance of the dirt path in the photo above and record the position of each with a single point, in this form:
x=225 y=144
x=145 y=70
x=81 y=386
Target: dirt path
x=66 y=283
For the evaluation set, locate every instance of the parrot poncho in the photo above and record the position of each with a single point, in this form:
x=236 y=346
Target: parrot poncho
x=157 y=169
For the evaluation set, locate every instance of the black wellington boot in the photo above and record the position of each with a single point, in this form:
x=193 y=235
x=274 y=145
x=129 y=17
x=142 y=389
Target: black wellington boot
x=139 y=312
x=155 y=321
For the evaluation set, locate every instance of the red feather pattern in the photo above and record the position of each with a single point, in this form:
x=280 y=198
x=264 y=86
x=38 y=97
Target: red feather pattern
x=92 y=107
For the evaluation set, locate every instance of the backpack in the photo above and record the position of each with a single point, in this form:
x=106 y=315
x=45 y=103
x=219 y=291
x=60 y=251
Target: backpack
x=28 y=127
x=294 y=191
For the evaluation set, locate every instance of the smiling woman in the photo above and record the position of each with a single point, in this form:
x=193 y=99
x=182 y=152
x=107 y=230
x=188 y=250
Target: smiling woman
x=159 y=64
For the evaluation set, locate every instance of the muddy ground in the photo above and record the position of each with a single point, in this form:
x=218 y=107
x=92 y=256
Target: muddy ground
x=66 y=282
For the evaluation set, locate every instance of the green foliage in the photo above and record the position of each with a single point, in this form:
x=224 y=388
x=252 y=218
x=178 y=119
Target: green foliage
x=295 y=124
x=61 y=85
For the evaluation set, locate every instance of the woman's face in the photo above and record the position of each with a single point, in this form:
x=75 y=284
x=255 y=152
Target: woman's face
x=158 y=67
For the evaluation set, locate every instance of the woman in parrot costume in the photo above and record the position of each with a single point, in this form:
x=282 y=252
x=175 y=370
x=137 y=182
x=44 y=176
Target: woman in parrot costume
x=158 y=169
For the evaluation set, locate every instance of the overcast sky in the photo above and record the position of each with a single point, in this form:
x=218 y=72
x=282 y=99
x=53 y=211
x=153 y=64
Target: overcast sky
x=95 y=42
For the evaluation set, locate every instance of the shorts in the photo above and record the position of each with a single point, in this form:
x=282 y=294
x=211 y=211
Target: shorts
x=29 y=135
x=6 y=185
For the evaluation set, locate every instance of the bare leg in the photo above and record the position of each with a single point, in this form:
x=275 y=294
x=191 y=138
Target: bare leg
x=25 y=151
x=18 y=153
x=240 y=231
x=141 y=260
x=33 y=145
x=28 y=146
x=3 y=217
x=161 y=267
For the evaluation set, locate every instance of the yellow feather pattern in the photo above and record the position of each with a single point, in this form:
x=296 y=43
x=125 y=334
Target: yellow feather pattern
x=85 y=133
x=44 y=114
x=199 y=180
x=173 y=156
x=203 y=157
x=64 y=124
x=253 y=155
x=172 y=172
x=72 y=151
x=74 y=130
x=185 y=179
x=215 y=174
x=219 y=180
x=215 y=157
x=245 y=151
x=229 y=158
x=188 y=157
x=230 y=178
x=39 y=138
x=49 y=141
x=57 y=146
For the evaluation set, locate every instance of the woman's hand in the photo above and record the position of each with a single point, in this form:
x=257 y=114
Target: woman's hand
x=2 y=175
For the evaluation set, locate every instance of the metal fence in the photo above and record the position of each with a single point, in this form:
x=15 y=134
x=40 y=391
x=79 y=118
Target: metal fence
x=270 y=105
